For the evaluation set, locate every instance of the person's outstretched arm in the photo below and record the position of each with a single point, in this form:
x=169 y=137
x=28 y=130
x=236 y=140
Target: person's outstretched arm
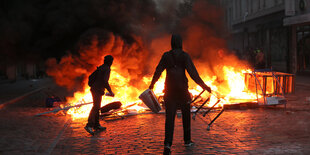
x=159 y=69
x=191 y=69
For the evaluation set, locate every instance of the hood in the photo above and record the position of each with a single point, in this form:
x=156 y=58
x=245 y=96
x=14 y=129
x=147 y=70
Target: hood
x=176 y=41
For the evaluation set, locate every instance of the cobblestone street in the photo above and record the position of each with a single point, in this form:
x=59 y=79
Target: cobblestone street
x=258 y=131
x=272 y=130
x=96 y=77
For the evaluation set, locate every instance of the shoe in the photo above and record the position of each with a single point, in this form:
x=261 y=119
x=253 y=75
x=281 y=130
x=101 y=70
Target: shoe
x=100 y=128
x=167 y=150
x=189 y=143
x=89 y=130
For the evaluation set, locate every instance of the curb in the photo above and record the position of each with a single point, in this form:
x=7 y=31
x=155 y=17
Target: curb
x=303 y=84
x=56 y=140
x=2 y=105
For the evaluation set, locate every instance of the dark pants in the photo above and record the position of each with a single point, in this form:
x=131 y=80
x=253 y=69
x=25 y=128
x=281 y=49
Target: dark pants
x=93 y=118
x=171 y=107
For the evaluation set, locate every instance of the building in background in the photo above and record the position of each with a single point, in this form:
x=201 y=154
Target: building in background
x=298 y=22
x=279 y=28
x=22 y=70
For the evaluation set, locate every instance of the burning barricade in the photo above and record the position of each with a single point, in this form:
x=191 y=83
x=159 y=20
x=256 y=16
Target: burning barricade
x=252 y=88
x=258 y=89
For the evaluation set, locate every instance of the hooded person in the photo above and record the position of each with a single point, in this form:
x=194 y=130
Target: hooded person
x=175 y=62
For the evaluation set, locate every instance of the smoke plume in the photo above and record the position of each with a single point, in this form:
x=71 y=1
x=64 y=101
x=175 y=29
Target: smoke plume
x=75 y=35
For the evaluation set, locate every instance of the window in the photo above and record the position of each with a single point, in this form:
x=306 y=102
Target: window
x=251 y=6
x=240 y=8
x=264 y=3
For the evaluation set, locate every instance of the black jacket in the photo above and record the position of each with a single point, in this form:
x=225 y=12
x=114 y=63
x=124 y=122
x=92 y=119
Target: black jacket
x=176 y=62
x=102 y=79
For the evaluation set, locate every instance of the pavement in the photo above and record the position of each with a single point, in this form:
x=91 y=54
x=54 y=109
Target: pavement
x=12 y=92
x=272 y=130
x=302 y=80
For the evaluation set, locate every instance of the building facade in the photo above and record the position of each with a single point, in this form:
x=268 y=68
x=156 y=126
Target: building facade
x=298 y=21
x=272 y=26
x=21 y=70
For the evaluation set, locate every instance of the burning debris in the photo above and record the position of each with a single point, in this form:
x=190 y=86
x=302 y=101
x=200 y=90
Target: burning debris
x=61 y=108
x=269 y=89
x=149 y=99
x=271 y=85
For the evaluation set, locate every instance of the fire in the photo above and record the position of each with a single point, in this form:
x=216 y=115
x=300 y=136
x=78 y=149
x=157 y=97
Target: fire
x=237 y=85
x=232 y=88
x=136 y=48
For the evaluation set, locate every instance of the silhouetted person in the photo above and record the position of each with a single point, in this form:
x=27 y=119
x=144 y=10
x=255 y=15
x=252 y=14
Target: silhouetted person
x=100 y=83
x=259 y=60
x=176 y=61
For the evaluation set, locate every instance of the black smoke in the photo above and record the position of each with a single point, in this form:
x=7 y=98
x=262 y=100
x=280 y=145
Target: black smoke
x=74 y=35
x=49 y=28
